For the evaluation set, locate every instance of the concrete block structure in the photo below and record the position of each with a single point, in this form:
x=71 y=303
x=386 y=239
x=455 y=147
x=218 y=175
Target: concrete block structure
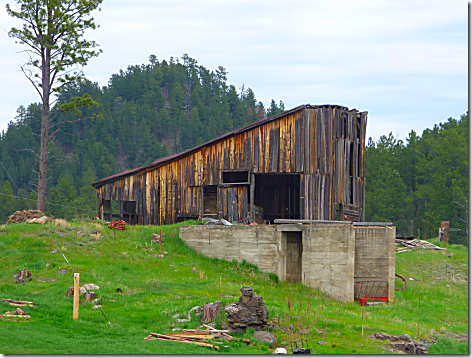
x=329 y=255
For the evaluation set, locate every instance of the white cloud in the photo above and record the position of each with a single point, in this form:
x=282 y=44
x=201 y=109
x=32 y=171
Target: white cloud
x=398 y=60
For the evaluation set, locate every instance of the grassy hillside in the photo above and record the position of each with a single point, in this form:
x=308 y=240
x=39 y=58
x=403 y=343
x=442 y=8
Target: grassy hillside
x=156 y=291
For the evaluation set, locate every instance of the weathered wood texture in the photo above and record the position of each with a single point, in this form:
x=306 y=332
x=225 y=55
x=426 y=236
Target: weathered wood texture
x=325 y=144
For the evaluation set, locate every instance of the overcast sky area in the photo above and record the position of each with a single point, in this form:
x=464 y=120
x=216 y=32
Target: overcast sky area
x=404 y=62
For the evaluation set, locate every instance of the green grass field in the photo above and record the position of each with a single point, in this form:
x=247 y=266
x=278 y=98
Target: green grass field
x=156 y=291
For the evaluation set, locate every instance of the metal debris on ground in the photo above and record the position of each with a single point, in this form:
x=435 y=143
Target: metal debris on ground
x=118 y=225
x=197 y=310
x=403 y=245
x=303 y=349
x=404 y=281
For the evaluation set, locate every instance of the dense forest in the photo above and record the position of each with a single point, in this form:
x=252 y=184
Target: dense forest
x=165 y=107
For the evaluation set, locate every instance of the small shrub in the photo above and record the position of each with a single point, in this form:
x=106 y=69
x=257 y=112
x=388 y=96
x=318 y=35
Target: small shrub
x=248 y=266
x=274 y=277
x=63 y=224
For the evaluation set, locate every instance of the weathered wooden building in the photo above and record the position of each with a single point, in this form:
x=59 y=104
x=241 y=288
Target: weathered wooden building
x=306 y=163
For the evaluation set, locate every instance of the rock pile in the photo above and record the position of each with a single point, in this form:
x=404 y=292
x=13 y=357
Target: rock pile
x=404 y=343
x=25 y=216
x=249 y=311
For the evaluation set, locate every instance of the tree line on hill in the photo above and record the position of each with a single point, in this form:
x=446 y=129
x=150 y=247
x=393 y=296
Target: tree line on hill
x=145 y=113
x=421 y=182
x=150 y=111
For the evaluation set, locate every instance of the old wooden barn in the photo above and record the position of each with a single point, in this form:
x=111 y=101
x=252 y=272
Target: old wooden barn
x=306 y=163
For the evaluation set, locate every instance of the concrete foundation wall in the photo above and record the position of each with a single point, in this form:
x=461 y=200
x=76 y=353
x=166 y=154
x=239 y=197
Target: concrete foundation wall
x=328 y=259
x=375 y=255
x=257 y=245
x=331 y=256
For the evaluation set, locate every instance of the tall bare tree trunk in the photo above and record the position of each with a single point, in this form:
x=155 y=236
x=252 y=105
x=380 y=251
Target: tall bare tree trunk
x=43 y=153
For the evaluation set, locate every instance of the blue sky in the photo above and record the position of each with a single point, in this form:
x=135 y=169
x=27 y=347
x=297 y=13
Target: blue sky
x=405 y=62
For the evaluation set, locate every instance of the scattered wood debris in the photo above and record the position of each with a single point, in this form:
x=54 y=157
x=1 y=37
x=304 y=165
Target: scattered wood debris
x=18 y=313
x=18 y=303
x=403 y=245
x=194 y=336
x=223 y=332
x=197 y=339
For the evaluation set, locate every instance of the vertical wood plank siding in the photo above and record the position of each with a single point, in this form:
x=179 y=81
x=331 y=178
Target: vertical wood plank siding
x=324 y=144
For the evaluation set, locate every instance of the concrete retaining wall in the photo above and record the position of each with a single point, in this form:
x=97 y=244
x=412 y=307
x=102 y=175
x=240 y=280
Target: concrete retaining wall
x=333 y=255
x=375 y=255
x=328 y=259
x=257 y=245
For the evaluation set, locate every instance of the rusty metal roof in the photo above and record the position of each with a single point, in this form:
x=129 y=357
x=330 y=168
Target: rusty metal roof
x=164 y=160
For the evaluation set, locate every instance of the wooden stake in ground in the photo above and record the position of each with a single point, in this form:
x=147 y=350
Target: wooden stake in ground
x=362 y=321
x=76 y=296
x=419 y=311
x=160 y=242
x=289 y=313
x=373 y=317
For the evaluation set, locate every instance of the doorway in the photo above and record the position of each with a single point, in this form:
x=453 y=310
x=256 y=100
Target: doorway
x=293 y=267
x=277 y=196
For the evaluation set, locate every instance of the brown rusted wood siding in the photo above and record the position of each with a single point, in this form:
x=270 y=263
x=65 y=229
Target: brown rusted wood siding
x=316 y=142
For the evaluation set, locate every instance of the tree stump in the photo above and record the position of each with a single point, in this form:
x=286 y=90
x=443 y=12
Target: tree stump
x=70 y=292
x=210 y=311
x=24 y=274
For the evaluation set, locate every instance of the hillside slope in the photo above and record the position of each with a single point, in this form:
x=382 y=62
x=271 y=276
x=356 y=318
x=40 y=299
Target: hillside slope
x=155 y=291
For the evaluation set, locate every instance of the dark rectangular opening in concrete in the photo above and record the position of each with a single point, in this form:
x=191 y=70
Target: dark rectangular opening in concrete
x=278 y=195
x=293 y=269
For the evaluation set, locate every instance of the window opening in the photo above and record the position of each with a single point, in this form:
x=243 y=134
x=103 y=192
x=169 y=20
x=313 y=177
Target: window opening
x=235 y=177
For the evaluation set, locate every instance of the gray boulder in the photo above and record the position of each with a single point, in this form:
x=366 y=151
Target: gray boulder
x=264 y=337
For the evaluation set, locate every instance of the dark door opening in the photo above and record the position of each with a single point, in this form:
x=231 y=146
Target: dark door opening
x=277 y=196
x=293 y=267
x=210 y=200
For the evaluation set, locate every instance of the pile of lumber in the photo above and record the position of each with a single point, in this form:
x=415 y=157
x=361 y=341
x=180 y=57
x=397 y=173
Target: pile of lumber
x=191 y=336
x=403 y=245
x=18 y=303
x=18 y=313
